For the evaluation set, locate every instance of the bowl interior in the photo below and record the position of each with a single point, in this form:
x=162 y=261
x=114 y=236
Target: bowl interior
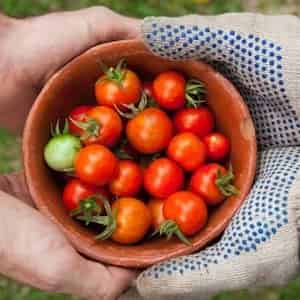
x=74 y=85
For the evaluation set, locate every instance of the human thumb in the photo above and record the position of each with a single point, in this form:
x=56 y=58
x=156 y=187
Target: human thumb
x=54 y=39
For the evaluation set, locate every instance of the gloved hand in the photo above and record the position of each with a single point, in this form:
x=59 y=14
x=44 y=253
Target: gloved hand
x=260 y=55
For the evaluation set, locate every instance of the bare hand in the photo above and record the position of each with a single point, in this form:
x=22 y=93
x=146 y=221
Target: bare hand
x=32 y=249
x=31 y=50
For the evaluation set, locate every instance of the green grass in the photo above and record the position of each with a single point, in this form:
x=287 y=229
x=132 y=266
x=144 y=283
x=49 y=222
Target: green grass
x=141 y=8
x=10 y=146
x=9 y=160
x=10 y=290
x=131 y=7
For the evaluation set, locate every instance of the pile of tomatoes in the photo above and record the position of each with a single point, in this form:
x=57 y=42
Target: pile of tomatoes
x=145 y=160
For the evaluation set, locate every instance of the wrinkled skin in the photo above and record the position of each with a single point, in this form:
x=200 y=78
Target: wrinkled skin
x=27 y=63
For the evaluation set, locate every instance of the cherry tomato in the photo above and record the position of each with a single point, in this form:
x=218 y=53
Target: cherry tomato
x=169 y=90
x=203 y=183
x=156 y=208
x=76 y=191
x=133 y=220
x=60 y=152
x=118 y=86
x=148 y=88
x=95 y=164
x=187 y=150
x=150 y=131
x=217 y=145
x=129 y=180
x=78 y=114
x=103 y=126
x=163 y=177
x=199 y=121
x=187 y=210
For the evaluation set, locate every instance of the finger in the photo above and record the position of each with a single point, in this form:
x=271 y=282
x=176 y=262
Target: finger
x=54 y=39
x=94 y=281
x=124 y=279
x=34 y=251
x=15 y=185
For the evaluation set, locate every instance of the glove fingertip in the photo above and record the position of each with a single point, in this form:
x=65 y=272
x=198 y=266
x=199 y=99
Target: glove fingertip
x=156 y=38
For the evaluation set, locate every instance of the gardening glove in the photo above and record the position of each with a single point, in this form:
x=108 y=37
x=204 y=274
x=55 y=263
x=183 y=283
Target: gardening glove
x=260 y=247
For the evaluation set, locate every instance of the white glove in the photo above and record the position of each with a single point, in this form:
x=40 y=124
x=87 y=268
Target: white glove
x=260 y=55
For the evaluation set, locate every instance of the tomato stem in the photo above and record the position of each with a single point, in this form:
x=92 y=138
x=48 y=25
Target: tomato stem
x=195 y=93
x=87 y=209
x=131 y=109
x=110 y=226
x=120 y=150
x=169 y=228
x=117 y=73
x=108 y=221
x=224 y=183
x=56 y=131
x=90 y=127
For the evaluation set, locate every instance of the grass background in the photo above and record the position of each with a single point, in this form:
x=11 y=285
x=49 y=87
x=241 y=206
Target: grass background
x=141 y=8
x=10 y=160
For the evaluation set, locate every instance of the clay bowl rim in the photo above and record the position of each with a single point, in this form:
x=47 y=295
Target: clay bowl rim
x=144 y=261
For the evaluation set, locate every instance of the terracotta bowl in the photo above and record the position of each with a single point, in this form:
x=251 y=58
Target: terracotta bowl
x=73 y=85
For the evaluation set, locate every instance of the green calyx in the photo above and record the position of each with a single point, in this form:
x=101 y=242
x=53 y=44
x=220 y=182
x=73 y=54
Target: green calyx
x=88 y=208
x=169 y=228
x=90 y=127
x=56 y=130
x=131 y=110
x=116 y=74
x=120 y=150
x=224 y=183
x=195 y=93
x=108 y=221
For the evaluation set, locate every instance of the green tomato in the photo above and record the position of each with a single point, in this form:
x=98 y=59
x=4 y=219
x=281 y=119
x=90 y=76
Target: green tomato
x=60 y=152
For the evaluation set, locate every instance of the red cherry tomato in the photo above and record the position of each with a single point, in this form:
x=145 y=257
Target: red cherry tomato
x=78 y=114
x=76 y=191
x=95 y=164
x=199 y=121
x=150 y=131
x=187 y=150
x=187 y=210
x=106 y=126
x=203 y=183
x=156 y=208
x=169 y=90
x=119 y=86
x=217 y=145
x=129 y=180
x=163 y=177
x=133 y=219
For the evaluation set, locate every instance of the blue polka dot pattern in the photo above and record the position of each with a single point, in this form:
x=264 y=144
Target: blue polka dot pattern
x=253 y=64
x=263 y=214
